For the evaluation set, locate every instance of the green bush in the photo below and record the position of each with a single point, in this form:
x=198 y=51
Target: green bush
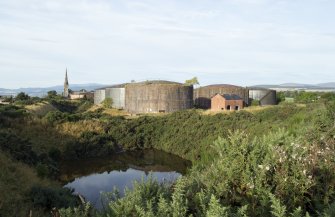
x=11 y=111
x=42 y=170
x=255 y=102
x=60 y=117
x=22 y=96
x=55 y=154
x=50 y=197
x=91 y=144
x=107 y=103
x=20 y=149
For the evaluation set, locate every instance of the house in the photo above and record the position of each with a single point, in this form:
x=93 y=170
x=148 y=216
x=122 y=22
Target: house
x=226 y=102
x=69 y=94
x=82 y=94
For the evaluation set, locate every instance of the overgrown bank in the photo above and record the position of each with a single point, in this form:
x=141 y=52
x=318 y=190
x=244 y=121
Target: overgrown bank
x=276 y=159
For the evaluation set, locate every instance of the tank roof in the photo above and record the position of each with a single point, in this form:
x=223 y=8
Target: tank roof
x=221 y=85
x=154 y=82
x=113 y=86
x=259 y=88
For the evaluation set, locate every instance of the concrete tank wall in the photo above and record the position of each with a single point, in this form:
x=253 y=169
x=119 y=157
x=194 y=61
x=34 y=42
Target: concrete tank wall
x=264 y=96
x=118 y=97
x=203 y=95
x=154 y=97
x=99 y=96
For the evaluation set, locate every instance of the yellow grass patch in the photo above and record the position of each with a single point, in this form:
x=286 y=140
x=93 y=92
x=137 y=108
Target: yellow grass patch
x=76 y=128
x=41 y=108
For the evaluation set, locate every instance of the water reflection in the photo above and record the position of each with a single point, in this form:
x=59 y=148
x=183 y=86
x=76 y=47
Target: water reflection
x=91 y=177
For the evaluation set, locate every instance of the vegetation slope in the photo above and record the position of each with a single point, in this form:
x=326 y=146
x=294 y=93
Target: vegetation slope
x=278 y=161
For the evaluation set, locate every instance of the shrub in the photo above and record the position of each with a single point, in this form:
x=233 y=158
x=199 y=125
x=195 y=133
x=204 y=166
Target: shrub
x=20 y=149
x=42 y=170
x=55 y=154
x=11 y=111
x=255 y=102
x=59 y=117
x=107 y=103
x=22 y=97
x=50 y=197
x=91 y=144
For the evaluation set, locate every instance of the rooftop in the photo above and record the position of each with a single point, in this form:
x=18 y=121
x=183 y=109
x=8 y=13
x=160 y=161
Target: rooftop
x=113 y=86
x=155 y=82
x=221 y=85
x=230 y=96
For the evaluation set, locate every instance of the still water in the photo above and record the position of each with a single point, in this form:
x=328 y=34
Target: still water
x=91 y=177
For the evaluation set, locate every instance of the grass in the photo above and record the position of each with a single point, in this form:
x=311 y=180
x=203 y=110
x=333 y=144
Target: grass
x=16 y=180
x=40 y=109
x=74 y=129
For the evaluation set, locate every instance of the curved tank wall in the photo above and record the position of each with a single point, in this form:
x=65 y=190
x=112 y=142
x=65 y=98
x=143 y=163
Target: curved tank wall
x=158 y=96
x=264 y=96
x=99 y=96
x=203 y=95
x=117 y=94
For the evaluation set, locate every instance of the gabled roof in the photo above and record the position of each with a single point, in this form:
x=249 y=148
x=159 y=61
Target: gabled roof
x=229 y=96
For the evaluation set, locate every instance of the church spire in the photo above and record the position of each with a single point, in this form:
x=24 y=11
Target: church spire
x=66 y=85
x=66 y=79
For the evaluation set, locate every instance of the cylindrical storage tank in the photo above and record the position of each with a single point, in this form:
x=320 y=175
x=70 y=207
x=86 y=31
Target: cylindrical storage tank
x=99 y=96
x=203 y=95
x=264 y=96
x=118 y=95
x=158 y=96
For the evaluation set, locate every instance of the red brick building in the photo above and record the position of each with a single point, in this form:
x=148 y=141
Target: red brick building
x=226 y=102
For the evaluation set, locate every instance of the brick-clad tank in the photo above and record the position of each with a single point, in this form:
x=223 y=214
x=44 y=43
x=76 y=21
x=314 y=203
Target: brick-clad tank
x=158 y=96
x=203 y=95
x=264 y=96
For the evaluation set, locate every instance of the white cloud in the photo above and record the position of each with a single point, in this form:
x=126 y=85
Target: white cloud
x=114 y=41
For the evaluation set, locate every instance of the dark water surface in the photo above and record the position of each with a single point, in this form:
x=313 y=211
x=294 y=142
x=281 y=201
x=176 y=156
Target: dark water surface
x=91 y=177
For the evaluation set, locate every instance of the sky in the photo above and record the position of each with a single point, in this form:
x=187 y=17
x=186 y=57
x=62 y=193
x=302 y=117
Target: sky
x=242 y=42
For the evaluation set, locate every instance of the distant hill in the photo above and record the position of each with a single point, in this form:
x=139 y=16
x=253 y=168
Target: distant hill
x=329 y=85
x=37 y=91
x=297 y=85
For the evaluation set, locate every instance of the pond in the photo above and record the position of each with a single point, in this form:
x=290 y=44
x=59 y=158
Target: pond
x=91 y=177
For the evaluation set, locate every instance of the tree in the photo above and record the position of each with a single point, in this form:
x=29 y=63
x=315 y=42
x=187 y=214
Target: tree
x=192 y=81
x=52 y=94
x=255 y=102
x=107 y=103
x=280 y=97
x=22 y=97
x=8 y=99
